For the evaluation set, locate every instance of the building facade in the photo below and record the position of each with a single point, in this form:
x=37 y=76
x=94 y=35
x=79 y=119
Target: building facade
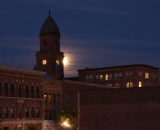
x=20 y=97
x=127 y=76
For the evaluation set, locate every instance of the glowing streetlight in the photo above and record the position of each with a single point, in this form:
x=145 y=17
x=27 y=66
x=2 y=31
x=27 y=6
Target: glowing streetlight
x=65 y=61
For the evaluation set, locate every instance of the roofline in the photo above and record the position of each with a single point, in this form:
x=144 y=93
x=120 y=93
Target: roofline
x=122 y=66
x=21 y=69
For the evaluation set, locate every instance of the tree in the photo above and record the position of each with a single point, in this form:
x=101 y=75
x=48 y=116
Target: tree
x=31 y=127
x=67 y=119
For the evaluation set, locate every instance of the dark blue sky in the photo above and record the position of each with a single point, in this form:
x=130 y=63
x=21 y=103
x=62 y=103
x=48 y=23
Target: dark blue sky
x=93 y=33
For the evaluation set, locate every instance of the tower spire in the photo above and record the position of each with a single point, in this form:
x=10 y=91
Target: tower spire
x=49 y=12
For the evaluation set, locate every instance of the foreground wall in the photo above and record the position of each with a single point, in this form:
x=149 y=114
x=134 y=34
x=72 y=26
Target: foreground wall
x=113 y=109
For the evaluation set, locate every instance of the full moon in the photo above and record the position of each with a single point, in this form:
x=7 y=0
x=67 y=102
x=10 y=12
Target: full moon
x=65 y=61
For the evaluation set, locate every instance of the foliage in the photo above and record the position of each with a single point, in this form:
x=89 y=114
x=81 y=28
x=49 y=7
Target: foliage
x=31 y=127
x=68 y=116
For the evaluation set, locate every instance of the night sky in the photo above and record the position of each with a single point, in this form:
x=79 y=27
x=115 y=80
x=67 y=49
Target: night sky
x=93 y=33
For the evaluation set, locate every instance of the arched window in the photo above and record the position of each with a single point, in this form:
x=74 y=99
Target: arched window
x=0 y=112
x=120 y=75
x=110 y=76
x=97 y=77
x=45 y=97
x=54 y=98
x=12 y=112
x=50 y=98
x=101 y=77
x=117 y=84
x=106 y=76
x=58 y=98
x=32 y=91
x=38 y=113
x=19 y=90
x=87 y=78
x=115 y=76
x=68 y=98
x=6 y=89
x=32 y=111
x=129 y=85
x=12 y=90
x=56 y=45
x=131 y=74
x=27 y=112
x=50 y=114
x=27 y=91
x=0 y=89
x=127 y=75
x=109 y=84
x=140 y=74
x=20 y=113
x=91 y=77
x=6 y=112
x=146 y=75
x=140 y=84
x=37 y=92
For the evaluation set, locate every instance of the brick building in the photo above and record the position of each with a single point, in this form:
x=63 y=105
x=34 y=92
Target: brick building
x=126 y=76
x=20 y=97
x=119 y=109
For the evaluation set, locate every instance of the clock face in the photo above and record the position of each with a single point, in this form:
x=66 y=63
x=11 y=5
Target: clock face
x=57 y=62
x=44 y=62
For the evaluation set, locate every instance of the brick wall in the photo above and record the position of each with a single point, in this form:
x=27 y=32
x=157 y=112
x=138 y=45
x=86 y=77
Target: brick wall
x=114 y=109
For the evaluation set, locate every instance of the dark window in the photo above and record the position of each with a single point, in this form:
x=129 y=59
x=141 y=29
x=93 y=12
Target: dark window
x=19 y=90
x=50 y=114
x=68 y=98
x=27 y=91
x=0 y=89
x=38 y=113
x=27 y=112
x=44 y=45
x=6 y=89
x=0 y=112
x=12 y=90
x=32 y=112
x=54 y=98
x=6 y=112
x=12 y=112
x=56 y=45
x=37 y=92
x=32 y=91
x=20 y=112
x=46 y=113
x=58 y=99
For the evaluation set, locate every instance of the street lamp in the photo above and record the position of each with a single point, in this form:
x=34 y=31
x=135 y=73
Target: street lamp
x=65 y=124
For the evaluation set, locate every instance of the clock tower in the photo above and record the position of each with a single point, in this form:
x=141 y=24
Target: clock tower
x=50 y=58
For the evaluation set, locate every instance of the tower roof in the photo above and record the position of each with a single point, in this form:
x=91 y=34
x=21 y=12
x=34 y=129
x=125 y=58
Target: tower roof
x=49 y=27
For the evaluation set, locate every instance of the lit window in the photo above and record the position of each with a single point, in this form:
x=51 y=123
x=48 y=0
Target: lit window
x=101 y=77
x=140 y=74
x=49 y=98
x=110 y=76
x=45 y=97
x=106 y=77
x=146 y=75
x=129 y=84
x=140 y=84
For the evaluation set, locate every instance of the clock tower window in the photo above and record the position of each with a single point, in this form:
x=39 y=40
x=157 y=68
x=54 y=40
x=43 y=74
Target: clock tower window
x=56 y=45
x=44 y=45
